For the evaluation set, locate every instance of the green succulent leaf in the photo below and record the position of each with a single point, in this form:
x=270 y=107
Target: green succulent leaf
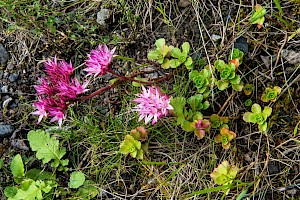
x=174 y=63
x=186 y=126
x=267 y=111
x=220 y=64
x=160 y=43
x=236 y=53
x=185 y=48
x=166 y=64
x=10 y=192
x=176 y=52
x=238 y=87
x=205 y=105
x=188 y=63
x=256 y=109
x=222 y=84
x=153 y=55
x=248 y=117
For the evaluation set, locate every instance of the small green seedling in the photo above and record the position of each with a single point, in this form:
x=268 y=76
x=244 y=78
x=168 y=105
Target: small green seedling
x=258 y=16
x=196 y=103
x=225 y=137
x=160 y=52
x=271 y=94
x=236 y=57
x=169 y=56
x=224 y=174
x=200 y=126
x=218 y=122
x=228 y=76
x=248 y=89
x=258 y=116
x=132 y=143
x=248 y=102
x=202 y=80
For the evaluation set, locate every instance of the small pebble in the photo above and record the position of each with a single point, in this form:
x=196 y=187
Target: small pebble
x=184 y=3
x=10 y=66
x=215 y=37
x=13 y=77
x=6 y=102
x=6 y=130
x=241 y=44
x=102 y=15
x=4 y=89
x=3 y=55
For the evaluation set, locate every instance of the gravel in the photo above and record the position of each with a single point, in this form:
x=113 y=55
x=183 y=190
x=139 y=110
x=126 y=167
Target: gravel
x=6 y=130
x=3 y=55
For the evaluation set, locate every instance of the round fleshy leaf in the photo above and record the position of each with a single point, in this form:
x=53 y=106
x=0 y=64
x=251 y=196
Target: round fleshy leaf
x=256 y=108
x=248 y=116
x=267 y=111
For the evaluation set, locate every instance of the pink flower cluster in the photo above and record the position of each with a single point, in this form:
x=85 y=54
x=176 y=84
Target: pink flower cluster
x=152 y=104
x=56 y=90
x=99 y=61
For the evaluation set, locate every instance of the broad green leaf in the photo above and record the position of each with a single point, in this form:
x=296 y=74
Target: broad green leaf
x=263 y=127
x=37 y=174
x=193 y=74
x=88 y=190
x=180 y=119
x=10 y=191
x=32 y=193
x=178 y=104
x=47 y=148
x=205 y=105
x=17 y=166
x=174 y=63
x=76 y=179
x=256 y=108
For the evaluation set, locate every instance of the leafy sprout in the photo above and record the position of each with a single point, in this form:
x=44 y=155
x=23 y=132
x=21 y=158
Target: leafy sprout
x=258 y=16
x=271 y=94
x=218 y=122
x=225 y=137
x=202 y=80
x=248 y=88
x=258 y=116
x=224 y=174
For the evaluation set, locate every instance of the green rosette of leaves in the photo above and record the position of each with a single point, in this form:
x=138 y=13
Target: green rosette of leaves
x=258 y=116
x=224 y=174
x=181 y=57
x=228 y=76
x=218 y=122
x=271 y=94
x=132 y=147
x=202 y=80
x=160 y=52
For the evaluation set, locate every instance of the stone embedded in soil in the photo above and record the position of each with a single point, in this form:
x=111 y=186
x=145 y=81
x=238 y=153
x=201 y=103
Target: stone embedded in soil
x=241 y=44
x=272 y=168
x=6 y=130
x=184 y=3
x=4 y=89
x=102 y=15
x=13 y=77
x=3 y=55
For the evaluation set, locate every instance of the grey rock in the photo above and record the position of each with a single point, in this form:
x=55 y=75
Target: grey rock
x=102 y=15
x=184 y=3
x=1 y=74
x=6 y=130
x=4 y=89
x=241 y=44
x=13 y=77
x=6 y=102
x=10 y=66
x=3 y=55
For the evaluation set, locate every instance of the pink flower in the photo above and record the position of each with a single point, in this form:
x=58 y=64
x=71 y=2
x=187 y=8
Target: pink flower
x=99 y=60
x=152 y=104
x=201 y=126
x=40 y=106
x=56 y=90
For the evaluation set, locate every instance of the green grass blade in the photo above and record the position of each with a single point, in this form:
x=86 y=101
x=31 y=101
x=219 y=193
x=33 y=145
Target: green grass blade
x=277 y=3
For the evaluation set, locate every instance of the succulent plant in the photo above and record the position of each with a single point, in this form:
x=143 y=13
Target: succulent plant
x=131 y=146
x=271 y=94
x=201 y=126
x=218 y=122
x=139 y=133
x=202 y=79
x=236 y=57
x=181 y=56
x=248 y=102
x=228 y=76
x=225 y=137
x=258 y=116
x=160 y=52
x=196 y=102
x=248 y=88
x=224 y=174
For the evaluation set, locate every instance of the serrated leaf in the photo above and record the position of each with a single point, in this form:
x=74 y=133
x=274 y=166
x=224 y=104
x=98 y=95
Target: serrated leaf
x=47 y=148
x=76 y=179
x=17 y=166
x=178 y=104
x=219 y=64
x=32 y=193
